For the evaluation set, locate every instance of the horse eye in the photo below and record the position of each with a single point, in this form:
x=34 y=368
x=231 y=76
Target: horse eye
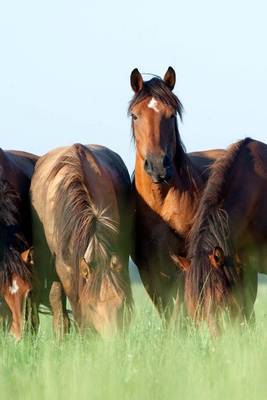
x=216 y=258
x=173 y=116
x=134 y=117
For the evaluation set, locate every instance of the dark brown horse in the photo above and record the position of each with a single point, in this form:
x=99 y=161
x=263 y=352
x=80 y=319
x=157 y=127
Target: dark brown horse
x=81 y=225
x=16 y=169
x=228 y=241
x=167 y=186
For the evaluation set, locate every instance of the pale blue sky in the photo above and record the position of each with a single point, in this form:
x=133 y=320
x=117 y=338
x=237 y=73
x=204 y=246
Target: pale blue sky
x=65 y=66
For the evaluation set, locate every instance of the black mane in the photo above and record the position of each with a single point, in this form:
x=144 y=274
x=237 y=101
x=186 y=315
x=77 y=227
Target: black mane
x=12 y=237
x=211 y=229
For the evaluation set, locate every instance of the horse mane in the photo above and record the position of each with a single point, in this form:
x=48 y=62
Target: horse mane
x=157 y=88
x=13 y=241
x=210 y=229
x=80 y=224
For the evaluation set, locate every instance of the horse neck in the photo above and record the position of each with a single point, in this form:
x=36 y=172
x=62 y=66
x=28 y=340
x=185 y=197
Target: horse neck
x=175 y=202
x=98 y=177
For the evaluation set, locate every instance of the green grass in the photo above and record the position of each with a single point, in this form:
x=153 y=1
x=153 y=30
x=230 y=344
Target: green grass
x=147 y=363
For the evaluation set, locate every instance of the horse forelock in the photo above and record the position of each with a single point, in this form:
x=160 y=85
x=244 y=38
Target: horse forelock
x=211 y=229
x=102 y=239
x=202 y=278
x=101 y=242
x=103 y=230
x=119 y=283
x=12 y=264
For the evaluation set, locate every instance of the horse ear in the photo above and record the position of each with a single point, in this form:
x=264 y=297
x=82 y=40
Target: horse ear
x=217 y=257
x=137 y=82
x=170 y=78
x=27 y=256
x=115 y=264
x=181 y=262
x=84 y=269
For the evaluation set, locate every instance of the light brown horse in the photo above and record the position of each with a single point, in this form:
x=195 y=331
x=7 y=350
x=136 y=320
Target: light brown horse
x=81 y=226
x=167 y=187
x=228 y=241
x=16 y=169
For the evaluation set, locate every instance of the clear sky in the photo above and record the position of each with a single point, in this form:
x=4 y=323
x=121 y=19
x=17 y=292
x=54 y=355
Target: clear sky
x=65 y=66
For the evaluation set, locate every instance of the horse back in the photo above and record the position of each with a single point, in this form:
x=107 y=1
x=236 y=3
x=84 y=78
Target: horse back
x=114 y=166
x=203 y=160
x=17 y=169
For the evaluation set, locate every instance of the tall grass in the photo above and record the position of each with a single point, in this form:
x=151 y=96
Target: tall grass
x=146 y=363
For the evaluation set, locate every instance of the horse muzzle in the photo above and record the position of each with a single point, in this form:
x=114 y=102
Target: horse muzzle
x=158 y=168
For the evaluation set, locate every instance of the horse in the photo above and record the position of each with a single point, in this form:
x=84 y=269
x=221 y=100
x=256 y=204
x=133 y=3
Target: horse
x=167 y=186
x=16 y=169
x=81 y=199
x=227 y=244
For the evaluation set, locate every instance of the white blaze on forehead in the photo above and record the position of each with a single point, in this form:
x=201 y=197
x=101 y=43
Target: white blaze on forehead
x=153 y=104
x=14 y=288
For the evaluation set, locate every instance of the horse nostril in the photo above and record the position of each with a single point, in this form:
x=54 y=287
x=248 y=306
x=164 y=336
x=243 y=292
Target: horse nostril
x=166 y=162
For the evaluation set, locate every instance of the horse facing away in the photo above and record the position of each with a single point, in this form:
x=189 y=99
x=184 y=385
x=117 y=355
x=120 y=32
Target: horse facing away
x=81 y=226
x=228 y=240
x=167 y=187
x=16 y=169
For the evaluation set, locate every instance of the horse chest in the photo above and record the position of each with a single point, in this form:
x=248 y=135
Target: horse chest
x=161 y=209
x=156 y=234
x=176 y=211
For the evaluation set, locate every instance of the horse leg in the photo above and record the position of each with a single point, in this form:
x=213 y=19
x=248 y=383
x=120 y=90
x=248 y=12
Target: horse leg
x=66 y=320
x=31 y=307
x=179 y=312
x=57 y=301
x=66 y=280
x=164 y=298
x=31 y=315
x=250 y=280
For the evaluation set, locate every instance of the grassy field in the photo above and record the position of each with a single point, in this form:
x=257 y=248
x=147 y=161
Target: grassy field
x=147 y=363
